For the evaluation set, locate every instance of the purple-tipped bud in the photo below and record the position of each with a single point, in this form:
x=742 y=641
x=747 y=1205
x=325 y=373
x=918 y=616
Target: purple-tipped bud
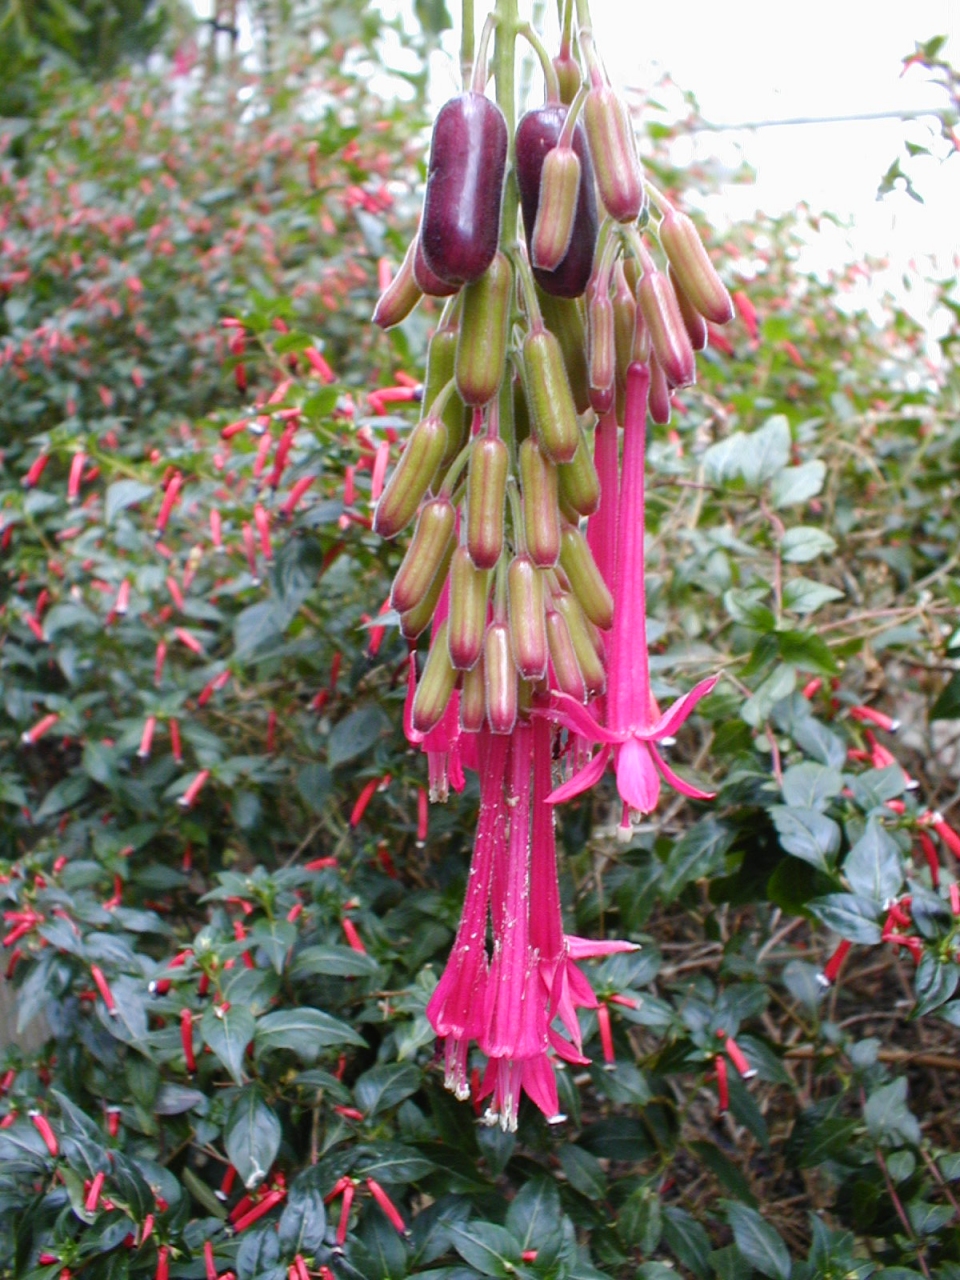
x=486 y=493
x=538 y=485
x=484 y=321
x=556 y=211
x=461 y=207
x=528 y=637
x=668 y=334
x=565 y=674
x=583 y=637
x=603 y=352
x=428 y=281
x=579 y=484
x=552 y=410
x=431 y=538
x=435 y=686
x=473 y=699
x=659 y=397
x=401 y=295
x=411 y=477
x=613 y=149
x=586 y=581
x=416 y=620
x=696 y=326
x=691 y=262
x=500 y=677
x=469 y=588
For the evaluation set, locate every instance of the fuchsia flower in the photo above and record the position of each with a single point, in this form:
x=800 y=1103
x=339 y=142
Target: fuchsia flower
x=634 y=725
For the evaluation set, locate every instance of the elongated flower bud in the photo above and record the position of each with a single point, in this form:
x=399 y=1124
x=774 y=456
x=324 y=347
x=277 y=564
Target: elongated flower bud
x=691 y=262
x=482 y=346
x=579 y=484
x=696 y=326
x=563 y=659
x=586 y=581
x=569 y=77
x=486 y=493
x=602 y=350
x=469 y=588
x=668 y=334
x=625 y=333
x=473 y=699
x=411 y=477
x=500 y=677
x=416 y=620
x=563 y=318
x=400 y=296
x=583 y=639
x=559 y=187
x=659 y=398
x=538 y=483
x=436 y=684
x=441 y=355
x=613 y=150
x=549 y=396
x=433 y=532
x=528 y=637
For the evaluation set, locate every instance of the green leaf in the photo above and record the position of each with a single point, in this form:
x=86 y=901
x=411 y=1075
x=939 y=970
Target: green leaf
x=851 y=917
x=873 y=866
x=934 y=984
x=392 y=1162
x=583 y=1171
x=534 y=1213
x=275 y=938
x=338 y=962
x=257 y=627
x=700 y=852
x=887 y=1116
x=304 y=1218
x=947 y=705
x=228 y=1034
x=807 y=834
x=315 y=782
x=760 y=704
x=385 y=1086
x=811 y=786
x=355 y=734
x=304 y=1032
x=724 y=1170
x=767 y=451
x=758 y=1242
x=793 y=485
x=251 y=1135
x=745 y=608
x=804 y=596
x=489 y=1249
x=122 y=494
x=805 y=542
x=686 y=1238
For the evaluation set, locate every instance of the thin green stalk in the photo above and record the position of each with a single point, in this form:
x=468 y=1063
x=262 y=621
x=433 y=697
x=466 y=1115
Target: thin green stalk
x=467 y=36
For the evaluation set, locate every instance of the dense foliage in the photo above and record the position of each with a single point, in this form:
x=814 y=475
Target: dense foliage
x=225 y=907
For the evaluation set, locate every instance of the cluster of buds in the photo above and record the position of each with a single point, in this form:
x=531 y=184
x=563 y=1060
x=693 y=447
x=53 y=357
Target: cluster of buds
x=566 y=319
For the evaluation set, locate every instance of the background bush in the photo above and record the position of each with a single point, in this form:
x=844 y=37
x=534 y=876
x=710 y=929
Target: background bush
x=187 y=276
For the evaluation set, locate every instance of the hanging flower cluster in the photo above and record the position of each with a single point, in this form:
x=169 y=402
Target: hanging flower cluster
x=526 y=562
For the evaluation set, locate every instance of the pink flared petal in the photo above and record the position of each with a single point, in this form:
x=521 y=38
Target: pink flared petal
x=575 y=717
x=637 y=779
x=567 y=1051
x=540 y=1084
x=591 y=948
x=588 y=777
x=674 y=716
x=678 y=783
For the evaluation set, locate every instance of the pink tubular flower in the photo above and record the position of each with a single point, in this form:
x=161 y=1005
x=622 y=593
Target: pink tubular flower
x=634 y=727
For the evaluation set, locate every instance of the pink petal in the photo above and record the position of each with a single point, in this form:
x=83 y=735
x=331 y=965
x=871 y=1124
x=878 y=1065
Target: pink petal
x=574 y=716
x=565 y=1050
x=678 y=784
x=637 y=779
x=674 y=717
x=590 y=948
x=588 y=777
x=540 y=1084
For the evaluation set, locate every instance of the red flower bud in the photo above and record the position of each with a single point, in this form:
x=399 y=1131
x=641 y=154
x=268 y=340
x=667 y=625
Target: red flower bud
x=186 y=1039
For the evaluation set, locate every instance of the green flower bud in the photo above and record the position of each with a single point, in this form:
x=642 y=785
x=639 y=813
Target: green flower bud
x=658 y=401
x=602 y=350
x=528 y=637
x=500 y=677
x=469 y=589
x=473 y=699
x=411 y=477
x=549 y=397
x=613 y=149
x=441 y=355
x=425 y=554
x=538 y=484
x=697 y=330
x=586 y=581
x=566 y=670
x=484 y=325
x=416 y=620
x=564 y=318
x=579 y=484
x=436 y=685
x=668 y=334
x=696 y=273
x=401 y=295
x=583 y=637
x=486 y=492
x=556 y=211
x=625 y=330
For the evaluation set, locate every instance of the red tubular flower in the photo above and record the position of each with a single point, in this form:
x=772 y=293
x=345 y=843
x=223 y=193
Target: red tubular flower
x=350 y=1113
x=348 y=1193
x=946 y=833
x=870 y=715
x=379 y=471
x=186 y=1039
x=828 y=976
x=146 y=738
x=33 y=735
x=364 y=798
x=955 y=898
x=301 y=1267
x=176 y=594
x=216 y=528
x=175 y=745
x=163 y=1262
x=263 y=450
x=194 y=789
x=423 y=816
x=262 y=520
x=146 y=1230
x=930 y=854
x=113 y=1121
x=92 y=1201
x=36 y=470
x=36 y=628
x=294 y=496
x=606 y=1036
x=159 y=660
x=738 y=1058
x=169 y=498
x=189 y=640
x=335 y=665
x=76 y=471
x=100 y=981
x=45 y=1131
x=723 y=1089
x=271 y=732
x=226 y=1184
x=319 y=365
x=353 y=938
x=209 y=1265
x=122 y=602
x=387 y=1205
